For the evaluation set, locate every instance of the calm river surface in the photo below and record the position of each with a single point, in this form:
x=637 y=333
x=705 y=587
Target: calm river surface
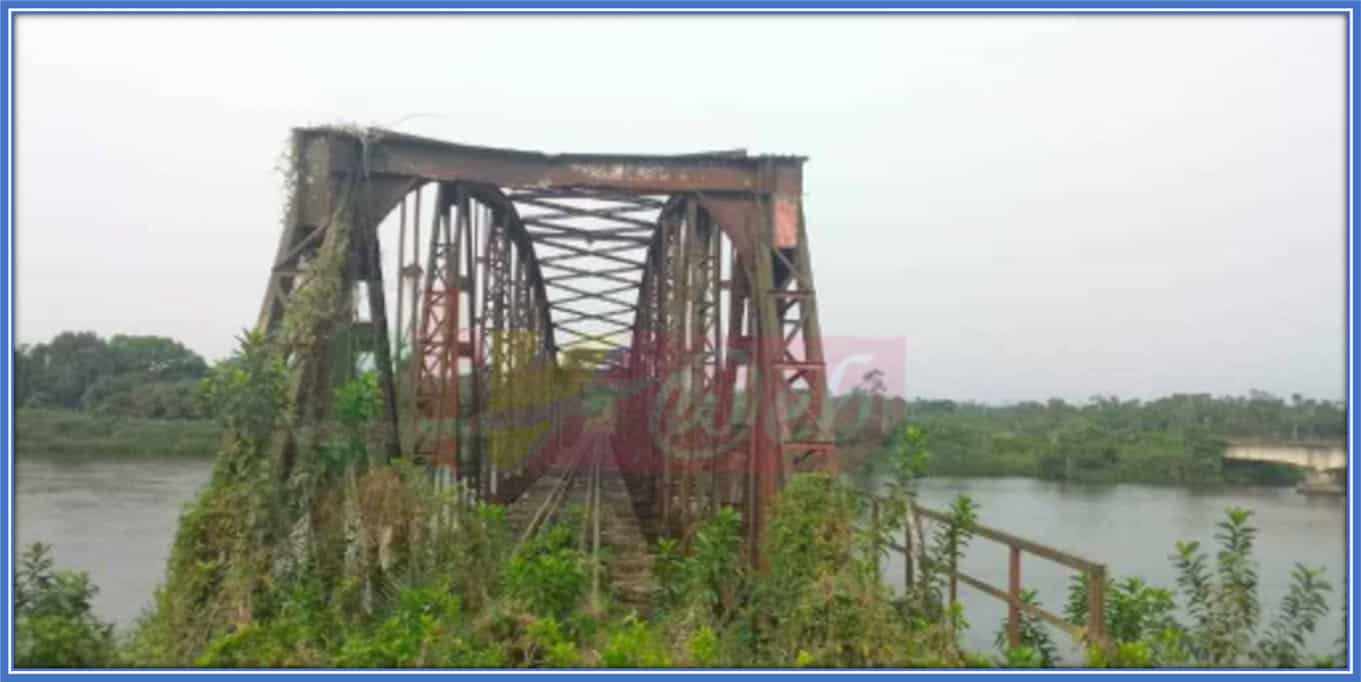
x=116 y=519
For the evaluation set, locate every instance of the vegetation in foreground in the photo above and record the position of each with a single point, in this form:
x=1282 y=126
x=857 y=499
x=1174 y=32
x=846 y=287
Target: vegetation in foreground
x=351 y=561
x=819 y=604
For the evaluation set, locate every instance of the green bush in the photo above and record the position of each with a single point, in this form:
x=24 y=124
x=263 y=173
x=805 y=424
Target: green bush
x=634 y=645
x=1037 y=648
x=424 y=626
x=549 y=574
x=54 y=627
x=1221 y=600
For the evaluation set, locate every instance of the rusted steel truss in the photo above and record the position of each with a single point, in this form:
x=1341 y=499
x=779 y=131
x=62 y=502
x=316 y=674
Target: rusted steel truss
x=685 y=280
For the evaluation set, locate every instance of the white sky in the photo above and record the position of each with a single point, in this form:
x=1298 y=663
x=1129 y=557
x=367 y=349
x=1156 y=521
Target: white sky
x=1040 y=205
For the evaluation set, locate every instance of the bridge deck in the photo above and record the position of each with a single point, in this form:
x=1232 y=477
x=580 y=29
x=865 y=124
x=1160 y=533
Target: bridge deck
x=620 y=544
x=1315 y=456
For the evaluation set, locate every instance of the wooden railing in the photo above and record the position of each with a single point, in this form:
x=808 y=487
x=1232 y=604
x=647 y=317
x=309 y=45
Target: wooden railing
x=1096 y=575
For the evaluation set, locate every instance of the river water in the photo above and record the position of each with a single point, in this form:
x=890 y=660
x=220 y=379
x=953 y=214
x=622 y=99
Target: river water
x=113 y=517
x=1133 y=530
x=116 y=517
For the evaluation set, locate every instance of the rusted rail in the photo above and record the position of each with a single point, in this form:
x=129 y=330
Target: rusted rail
x=585 y=469
x=553 y=502
x=1095 y=572
x=596 y=513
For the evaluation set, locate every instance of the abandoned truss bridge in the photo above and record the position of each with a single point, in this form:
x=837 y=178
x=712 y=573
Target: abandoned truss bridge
x=504 y=299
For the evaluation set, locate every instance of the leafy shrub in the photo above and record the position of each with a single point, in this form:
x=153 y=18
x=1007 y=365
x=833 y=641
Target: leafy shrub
x=1037 y=648
x=1301 y=610
x=1024 y=656
x=424 y=626
x=821 y=602
x=551 y=645
x=246 y=393
x=54 y=627
x=549 y=574
x=712 y=576
x=703 y=647
x=943 y=554
x=1222 y=603
x=634 y=645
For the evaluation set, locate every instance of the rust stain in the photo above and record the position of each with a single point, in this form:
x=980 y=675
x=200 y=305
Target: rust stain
x=786 y=223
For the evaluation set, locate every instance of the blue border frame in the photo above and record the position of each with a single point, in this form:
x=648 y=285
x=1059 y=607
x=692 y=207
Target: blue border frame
x=12 y=8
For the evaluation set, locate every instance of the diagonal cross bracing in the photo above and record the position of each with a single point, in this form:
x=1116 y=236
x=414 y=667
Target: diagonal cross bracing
x=592 y=246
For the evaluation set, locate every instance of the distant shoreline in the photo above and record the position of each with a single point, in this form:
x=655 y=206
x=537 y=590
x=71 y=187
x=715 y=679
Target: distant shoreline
x=70 y=433
x=863 y=460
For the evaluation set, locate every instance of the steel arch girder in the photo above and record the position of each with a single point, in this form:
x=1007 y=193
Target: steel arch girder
x=761 y=298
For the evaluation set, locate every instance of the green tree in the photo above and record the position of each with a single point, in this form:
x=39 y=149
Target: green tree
x=128 y=376
x=64 y=368
x=156 y=357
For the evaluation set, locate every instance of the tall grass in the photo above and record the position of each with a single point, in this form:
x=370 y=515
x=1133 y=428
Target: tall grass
x=72 y=433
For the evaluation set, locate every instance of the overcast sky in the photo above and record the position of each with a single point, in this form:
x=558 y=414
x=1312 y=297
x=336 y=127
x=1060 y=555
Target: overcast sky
x=1040 y=205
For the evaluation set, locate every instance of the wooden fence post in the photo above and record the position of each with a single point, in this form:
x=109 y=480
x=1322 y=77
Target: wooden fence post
x=921 y=533
x=874 y=532
x=954 y=579
x=1014 y=599
x=907 y=554
x=1096 y=605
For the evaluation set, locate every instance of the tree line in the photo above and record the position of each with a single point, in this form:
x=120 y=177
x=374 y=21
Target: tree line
x=1175 y=439
x=125 y=375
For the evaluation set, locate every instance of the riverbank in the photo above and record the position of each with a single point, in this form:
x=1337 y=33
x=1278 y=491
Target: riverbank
x=81 y=434
x=1166 y=470
x=1164 y=466
x=1179 y=439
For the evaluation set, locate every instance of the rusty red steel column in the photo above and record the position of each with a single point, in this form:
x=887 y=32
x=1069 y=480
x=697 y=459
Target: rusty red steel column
x=435 y=370
x=1014 y=598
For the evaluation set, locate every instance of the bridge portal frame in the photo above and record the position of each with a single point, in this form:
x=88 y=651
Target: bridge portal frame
x=345 y=181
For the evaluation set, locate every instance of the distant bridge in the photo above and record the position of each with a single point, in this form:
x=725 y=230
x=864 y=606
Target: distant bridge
x=1313 y=456
x=1325 y=462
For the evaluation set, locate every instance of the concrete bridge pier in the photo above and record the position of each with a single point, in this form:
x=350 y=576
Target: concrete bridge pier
x=1325 y=463
x=1324 y=482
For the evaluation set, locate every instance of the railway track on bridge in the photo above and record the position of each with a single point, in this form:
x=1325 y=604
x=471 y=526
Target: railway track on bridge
x=609 y=536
